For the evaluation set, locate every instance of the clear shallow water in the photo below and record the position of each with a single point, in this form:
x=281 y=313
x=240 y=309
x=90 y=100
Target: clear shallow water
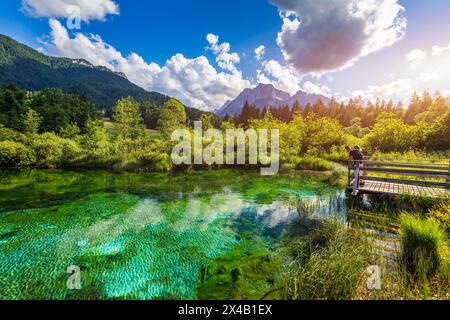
x=150 y=236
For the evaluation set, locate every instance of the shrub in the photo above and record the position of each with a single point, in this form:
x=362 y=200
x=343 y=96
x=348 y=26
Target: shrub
x=336 y=154
x=51 y=149
x=7 y=134
x=15 y=154
x=155 y=160
x=424 y=248
x=441 y=214
x=311 y=163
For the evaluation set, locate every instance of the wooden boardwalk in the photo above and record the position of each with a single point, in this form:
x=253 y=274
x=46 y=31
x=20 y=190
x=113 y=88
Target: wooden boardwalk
x=381 y=177
x=398 y=188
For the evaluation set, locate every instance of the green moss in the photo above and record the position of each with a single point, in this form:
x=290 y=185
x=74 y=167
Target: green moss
x=242 y=273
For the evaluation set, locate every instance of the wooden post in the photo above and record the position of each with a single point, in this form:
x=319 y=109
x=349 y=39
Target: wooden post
x=349 y=174
x=356 y=180
x=448 y=177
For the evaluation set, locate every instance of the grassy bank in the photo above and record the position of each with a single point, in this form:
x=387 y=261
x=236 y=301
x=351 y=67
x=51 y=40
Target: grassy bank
x=332 y=264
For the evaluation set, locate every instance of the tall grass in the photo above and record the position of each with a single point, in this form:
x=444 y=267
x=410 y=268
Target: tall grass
x=311 y=163
x=334 y=269
x=424 y=248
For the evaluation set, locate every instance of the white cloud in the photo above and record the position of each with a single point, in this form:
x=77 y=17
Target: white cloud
x=282 y=77
x=399 y=90
x=224 y=58
x=321 y=36
x=260 y=52
x=197 y=83
x=313 y=88
x=416 y=57
x=440 y=50
x=89 y=9
x=194 y=81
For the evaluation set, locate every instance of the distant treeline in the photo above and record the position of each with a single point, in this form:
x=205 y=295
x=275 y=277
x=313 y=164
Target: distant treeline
x=59 y=110
x=422 y=108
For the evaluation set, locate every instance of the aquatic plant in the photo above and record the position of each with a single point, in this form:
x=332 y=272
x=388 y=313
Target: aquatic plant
x=424 y=248
x=245 y=272
x=334 y=268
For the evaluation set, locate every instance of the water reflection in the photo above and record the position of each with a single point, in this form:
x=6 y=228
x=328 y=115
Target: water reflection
x=144 y=236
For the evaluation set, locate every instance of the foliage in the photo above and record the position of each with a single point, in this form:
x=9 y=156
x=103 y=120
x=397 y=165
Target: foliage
x=127 y=120
x=424 y=247
x=173 y=117
x=15 y=154
x=31 y=122
x=96 y=142
x=390 y=133
x=45 y=111
x=311 y=163
x=157 y=161
x=28 y=69
x=441 y=214
x=128 y=126
x=439 y=135
x=51 y=149
x=12 y=135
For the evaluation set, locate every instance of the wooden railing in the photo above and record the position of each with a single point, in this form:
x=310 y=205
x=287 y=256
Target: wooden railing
x=438 y=175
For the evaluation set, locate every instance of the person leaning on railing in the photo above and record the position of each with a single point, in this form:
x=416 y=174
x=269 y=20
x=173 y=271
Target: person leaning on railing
x=357 y=154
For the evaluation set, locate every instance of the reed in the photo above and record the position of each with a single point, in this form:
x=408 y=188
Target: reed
x=424 y=248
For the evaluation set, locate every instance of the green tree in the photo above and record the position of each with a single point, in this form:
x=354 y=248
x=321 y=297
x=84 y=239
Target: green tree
x=70 y=132
x=31 y=122
x=12 y=107
x=59 y=110
x=96 y=141
x=128 y=122
x=439 y=137
x=391 y=134
x=207 y=121
x=173 y=116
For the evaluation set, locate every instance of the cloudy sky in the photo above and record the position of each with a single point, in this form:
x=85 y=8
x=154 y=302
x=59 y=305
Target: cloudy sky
x=206 y=52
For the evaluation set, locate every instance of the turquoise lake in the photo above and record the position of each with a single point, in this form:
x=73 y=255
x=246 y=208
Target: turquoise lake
x=149 y=235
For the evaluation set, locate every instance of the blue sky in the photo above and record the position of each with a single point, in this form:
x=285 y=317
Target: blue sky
x=172 y=54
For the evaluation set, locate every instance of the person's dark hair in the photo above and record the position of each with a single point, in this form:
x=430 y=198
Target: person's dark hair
x=357 y=148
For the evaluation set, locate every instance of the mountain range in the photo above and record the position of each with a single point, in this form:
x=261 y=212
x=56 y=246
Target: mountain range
x=31 y=70
x=267 y=96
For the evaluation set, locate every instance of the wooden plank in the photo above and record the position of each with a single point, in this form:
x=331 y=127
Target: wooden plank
x=386 y=185
x=411 y=160
x=403 y=165
x=419 y=173
x=405 y=181
x=395 y=188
